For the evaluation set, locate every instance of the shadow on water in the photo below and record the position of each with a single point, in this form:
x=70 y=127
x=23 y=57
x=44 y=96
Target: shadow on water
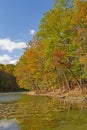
x=41 y=113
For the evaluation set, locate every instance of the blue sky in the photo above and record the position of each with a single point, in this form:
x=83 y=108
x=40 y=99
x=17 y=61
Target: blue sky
x=19 y=21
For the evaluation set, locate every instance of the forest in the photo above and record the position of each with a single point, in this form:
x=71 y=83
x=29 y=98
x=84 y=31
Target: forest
x=56 y=57
x=7 y=79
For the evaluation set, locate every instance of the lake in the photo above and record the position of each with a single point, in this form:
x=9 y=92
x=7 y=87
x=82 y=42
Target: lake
x=40 y=113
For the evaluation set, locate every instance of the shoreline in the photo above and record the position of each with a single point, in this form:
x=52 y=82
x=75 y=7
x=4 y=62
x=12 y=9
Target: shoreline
x=71 y=96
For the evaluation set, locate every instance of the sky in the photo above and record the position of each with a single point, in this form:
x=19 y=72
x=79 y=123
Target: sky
x=19 y=21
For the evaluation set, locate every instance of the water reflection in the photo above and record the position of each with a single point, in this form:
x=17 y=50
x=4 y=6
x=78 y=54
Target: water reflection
x=9 y=97
x=41 y=113
x=9 y=125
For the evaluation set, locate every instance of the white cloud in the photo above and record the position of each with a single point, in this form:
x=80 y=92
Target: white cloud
x=9 y=45
x=32 y=31
x=6 y=59
x=13 y=62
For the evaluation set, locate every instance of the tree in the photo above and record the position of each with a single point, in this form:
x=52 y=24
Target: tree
x=57 y=55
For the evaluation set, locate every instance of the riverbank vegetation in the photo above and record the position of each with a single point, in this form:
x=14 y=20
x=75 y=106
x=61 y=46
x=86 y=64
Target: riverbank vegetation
x=56 y=58
x=57 y=55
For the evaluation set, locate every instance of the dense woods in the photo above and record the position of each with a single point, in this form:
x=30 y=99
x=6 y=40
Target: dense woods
x=57 y=55
x=7 y=79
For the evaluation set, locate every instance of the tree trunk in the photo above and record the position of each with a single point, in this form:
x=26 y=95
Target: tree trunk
x=66 y=80
x=74 y=76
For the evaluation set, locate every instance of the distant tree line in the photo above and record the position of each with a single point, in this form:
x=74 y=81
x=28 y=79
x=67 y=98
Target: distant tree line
x=7 y=79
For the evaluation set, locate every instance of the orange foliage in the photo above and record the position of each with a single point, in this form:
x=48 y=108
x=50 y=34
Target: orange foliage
x=58 y=54
x=80 y=15
x=80 y=21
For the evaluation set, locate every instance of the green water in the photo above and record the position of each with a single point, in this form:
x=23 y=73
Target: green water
x=41 y=113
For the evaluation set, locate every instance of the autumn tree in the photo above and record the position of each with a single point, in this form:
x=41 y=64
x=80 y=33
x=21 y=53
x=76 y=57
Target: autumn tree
x=56 y=57
x=29 y=69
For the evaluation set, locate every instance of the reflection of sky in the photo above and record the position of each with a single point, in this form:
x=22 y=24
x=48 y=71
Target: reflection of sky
x=9 y=97
x=9 y=125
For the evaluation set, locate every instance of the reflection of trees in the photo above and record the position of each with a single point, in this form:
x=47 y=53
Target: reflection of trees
x=67 y=108
x=35 y=112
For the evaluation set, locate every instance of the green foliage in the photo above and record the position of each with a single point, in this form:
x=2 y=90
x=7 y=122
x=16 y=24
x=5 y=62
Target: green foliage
x=58 y=54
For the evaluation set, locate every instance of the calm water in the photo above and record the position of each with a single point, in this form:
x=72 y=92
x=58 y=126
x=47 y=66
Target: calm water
x=42 y=113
